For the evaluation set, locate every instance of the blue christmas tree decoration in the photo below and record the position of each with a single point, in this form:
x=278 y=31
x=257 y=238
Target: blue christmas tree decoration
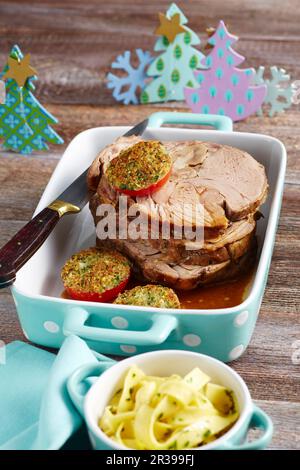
x=125 y=88
x=24 y=122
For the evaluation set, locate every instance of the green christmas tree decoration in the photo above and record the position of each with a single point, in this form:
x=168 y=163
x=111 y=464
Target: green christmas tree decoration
x=25 y=125
x=174 y=68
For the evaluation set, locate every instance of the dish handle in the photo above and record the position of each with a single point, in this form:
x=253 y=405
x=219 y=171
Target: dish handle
x=259 y=419
x=221 y=123
x=76 y=319
x=80 y=375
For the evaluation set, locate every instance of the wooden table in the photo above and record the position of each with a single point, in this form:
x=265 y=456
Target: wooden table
x=72 y=44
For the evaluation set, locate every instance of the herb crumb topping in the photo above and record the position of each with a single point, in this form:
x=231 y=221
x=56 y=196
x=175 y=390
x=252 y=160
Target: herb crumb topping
x=149 y=296
x=139 y=166
x=95 y=270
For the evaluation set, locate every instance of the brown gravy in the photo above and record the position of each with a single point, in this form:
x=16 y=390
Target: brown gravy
x=225 y=295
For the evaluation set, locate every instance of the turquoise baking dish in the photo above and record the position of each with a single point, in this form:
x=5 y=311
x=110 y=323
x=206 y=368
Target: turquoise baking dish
x=46 y=318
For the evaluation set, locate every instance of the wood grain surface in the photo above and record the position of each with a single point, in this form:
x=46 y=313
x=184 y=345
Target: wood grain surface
x=72 y=44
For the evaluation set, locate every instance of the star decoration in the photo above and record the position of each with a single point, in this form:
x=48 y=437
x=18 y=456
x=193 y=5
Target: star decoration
x=210 y=31
x=20 y=70
x=169 y=28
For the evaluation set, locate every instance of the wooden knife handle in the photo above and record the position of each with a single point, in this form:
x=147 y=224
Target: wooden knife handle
x=24 y=244
x=28 y=240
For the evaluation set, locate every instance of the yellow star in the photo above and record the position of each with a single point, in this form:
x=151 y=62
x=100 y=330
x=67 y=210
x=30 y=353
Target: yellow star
x=169 y=28
x=210 y=31
x=19 y=70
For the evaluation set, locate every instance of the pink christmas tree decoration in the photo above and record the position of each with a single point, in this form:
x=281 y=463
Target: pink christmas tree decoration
x=225 y=89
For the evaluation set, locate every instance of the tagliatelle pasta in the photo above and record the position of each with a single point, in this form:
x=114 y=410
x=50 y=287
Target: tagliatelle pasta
x=162 y=413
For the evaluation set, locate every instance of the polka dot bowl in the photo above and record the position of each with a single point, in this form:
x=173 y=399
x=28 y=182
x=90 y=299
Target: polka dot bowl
x=165 y=363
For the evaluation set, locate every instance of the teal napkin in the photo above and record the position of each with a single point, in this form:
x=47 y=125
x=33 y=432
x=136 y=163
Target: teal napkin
x=35 y=409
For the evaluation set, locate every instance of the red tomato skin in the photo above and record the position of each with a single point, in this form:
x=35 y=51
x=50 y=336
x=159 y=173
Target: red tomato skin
x=145 y=191
x=106 y=296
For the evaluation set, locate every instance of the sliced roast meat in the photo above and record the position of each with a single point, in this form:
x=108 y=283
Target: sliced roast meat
x=236 y=231
x=213 y=187
x=174 y=252
x=139 y=250
x=187 y=277
x=210 y=184
x=190 y=277
x=151 y=265
x=226 y=185
x=183 y=203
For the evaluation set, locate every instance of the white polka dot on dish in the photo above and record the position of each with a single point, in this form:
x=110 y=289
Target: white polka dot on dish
x=241 y=318
x=119 y=322
x=236 y=352
x=192 y=340
x=51 y=327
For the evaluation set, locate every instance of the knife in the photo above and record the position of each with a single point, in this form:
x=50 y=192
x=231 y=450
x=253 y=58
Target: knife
x=28 y=240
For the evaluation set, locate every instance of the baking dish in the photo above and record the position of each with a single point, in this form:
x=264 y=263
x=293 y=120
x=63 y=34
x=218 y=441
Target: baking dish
x=46 y=318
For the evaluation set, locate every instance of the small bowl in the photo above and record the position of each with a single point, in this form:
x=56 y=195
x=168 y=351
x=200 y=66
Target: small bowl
x=165 y=363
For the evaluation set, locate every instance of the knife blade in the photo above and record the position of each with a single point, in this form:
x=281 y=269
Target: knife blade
x=28 y=240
